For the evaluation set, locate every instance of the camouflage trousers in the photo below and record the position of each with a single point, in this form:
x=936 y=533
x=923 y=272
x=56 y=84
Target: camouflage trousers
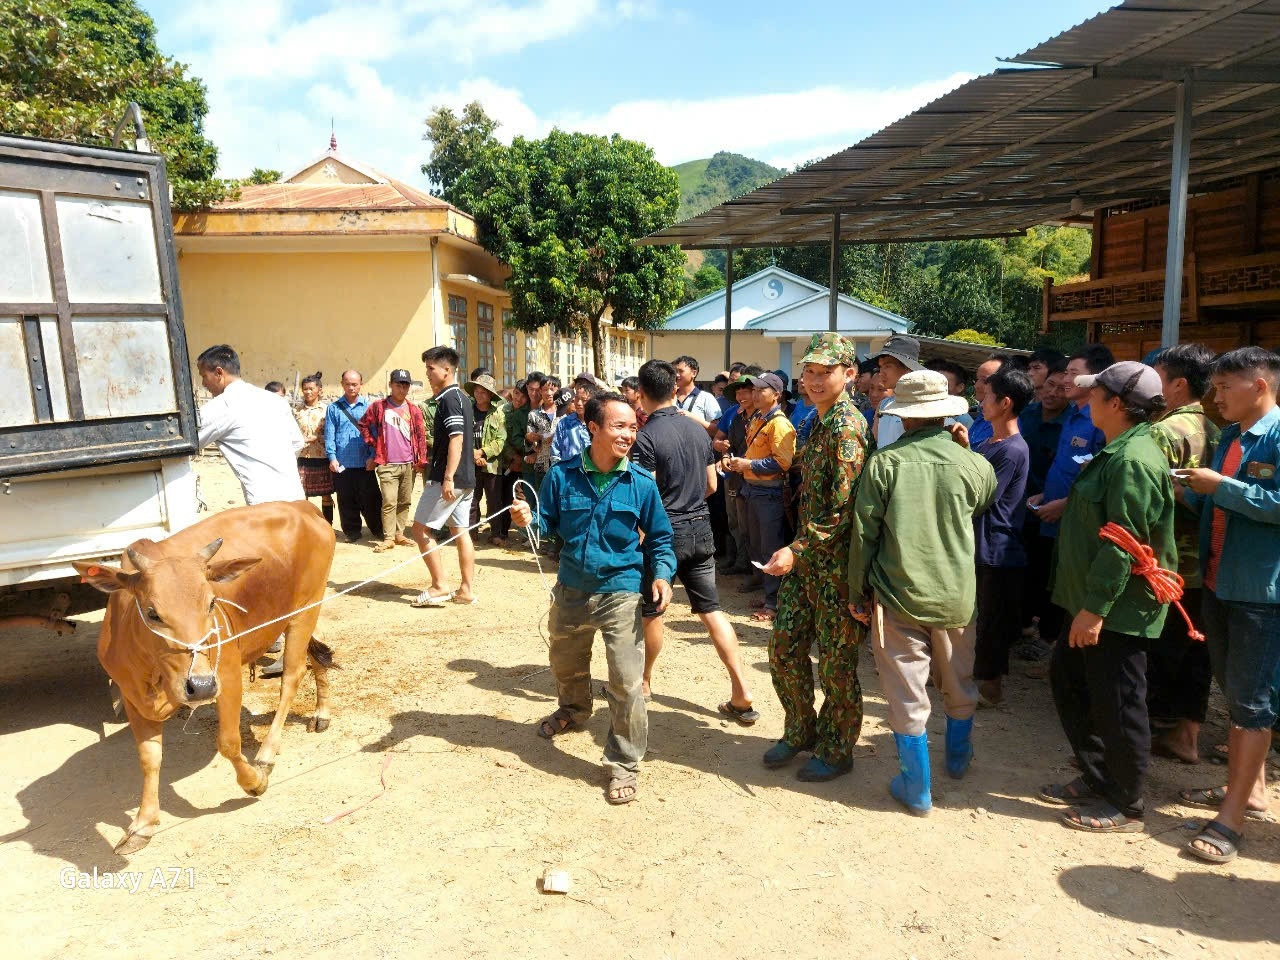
x=810 y=611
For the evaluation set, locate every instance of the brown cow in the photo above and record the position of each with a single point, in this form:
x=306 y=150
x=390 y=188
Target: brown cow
x=174 y=601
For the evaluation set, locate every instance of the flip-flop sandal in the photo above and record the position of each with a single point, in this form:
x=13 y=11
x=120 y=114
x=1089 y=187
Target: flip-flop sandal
x=1210 y=798
x=618 y=784
x=1223 y=839
x=552 y=726
x=1106 y=819
x=1067 y=794
x=421 y=602
x=764 y=615
x=745 y=716
x=464 y=603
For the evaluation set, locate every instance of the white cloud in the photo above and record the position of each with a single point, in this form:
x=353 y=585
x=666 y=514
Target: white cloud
x=383 y=126
x=797 y=126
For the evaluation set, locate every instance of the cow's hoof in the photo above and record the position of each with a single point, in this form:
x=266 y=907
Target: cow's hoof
x=131 y=843
x=318 y=725
x=264 y=776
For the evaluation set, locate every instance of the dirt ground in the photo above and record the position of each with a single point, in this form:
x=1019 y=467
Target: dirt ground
x=718 y=857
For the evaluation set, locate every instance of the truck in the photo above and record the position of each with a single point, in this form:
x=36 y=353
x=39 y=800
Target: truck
x=98 y=423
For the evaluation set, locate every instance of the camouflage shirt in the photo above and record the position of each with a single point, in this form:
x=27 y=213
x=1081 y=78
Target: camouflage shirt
x=830 y=464
x=1187 y=438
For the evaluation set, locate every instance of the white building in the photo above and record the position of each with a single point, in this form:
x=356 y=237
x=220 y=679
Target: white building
x=774 y=315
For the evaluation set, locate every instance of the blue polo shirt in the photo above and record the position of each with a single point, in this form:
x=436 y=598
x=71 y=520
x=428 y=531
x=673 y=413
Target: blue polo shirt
x=1249 y=567
x=342 y=441
x=979 y=431
x=1079 y=438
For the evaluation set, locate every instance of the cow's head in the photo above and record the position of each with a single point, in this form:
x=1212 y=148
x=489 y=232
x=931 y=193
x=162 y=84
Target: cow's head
x=173 y=601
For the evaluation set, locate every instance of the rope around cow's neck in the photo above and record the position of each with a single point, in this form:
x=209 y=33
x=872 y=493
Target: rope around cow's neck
x=535 y=540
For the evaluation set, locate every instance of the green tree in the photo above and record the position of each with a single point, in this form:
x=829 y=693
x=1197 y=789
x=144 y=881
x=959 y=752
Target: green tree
x=974 y=336
x=458 y=144
x=563 y=213
x=707 y=279
x=260 y=176
x=69 y=69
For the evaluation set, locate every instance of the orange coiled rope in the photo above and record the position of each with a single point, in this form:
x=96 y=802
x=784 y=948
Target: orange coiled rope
x=1165 y=584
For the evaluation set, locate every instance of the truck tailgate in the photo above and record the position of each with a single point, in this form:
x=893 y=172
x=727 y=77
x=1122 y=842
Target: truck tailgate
x=51 y=519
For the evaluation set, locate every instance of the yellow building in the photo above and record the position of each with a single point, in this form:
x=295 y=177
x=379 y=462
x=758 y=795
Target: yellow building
x=337 y=265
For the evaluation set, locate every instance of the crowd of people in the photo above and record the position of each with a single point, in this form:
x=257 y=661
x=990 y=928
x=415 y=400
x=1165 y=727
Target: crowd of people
x=1056 y=520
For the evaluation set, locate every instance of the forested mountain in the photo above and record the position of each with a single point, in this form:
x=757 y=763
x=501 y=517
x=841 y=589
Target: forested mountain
x=705 y=183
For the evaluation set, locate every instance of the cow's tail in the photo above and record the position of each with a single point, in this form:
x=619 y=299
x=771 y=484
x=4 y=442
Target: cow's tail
x=321 y=655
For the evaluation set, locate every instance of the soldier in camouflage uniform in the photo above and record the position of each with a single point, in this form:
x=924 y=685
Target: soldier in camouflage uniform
x=813 y=599
x=1178 y=672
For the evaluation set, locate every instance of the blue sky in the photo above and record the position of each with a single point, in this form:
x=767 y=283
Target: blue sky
x=783 y=82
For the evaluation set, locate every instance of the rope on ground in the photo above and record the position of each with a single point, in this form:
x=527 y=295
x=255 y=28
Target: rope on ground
x=382 y=777
x=1165 y=584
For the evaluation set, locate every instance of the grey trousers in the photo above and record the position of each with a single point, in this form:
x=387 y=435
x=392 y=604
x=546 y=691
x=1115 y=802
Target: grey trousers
x=907 y=653
x=766 y=526
x=575 y=618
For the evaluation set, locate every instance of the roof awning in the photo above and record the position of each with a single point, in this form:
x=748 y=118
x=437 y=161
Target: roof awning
x=1083 y=122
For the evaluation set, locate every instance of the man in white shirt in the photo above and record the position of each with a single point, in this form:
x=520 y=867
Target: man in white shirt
x=697 y=404
x=255 y=430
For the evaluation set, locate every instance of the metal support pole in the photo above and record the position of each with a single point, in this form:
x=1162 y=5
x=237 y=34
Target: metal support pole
x=833 y=290
x=728 y=306
x=1177 y=213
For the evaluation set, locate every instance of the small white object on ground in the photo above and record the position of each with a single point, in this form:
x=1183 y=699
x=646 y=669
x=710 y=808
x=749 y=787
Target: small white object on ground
x=556 y=881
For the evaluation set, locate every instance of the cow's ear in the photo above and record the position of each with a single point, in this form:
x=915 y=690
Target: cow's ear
x=225 y=571
x=106 y=579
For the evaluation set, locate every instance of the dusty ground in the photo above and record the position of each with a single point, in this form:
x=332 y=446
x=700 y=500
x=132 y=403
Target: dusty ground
x=718 y=858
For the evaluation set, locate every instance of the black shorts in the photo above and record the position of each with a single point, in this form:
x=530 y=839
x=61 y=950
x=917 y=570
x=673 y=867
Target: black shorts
x=695 y=549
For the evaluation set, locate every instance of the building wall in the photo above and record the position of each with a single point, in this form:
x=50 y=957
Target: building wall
x=291 y=314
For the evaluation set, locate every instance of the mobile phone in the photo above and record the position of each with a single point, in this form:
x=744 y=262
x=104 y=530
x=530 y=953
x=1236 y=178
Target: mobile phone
x=1034 y=506
x=758 y=566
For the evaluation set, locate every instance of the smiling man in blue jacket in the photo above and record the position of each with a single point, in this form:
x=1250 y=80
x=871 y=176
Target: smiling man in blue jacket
x=599 y=505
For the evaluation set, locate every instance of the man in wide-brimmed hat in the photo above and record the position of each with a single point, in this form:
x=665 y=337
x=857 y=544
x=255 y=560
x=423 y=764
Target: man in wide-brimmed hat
x=911 y=575
x=489 y=436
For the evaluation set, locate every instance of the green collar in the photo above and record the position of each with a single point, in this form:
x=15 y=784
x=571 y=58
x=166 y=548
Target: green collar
x=600 y=477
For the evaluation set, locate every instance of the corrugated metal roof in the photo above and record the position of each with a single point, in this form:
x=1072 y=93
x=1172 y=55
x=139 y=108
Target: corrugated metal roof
x=1013 y=149
x=392 y=195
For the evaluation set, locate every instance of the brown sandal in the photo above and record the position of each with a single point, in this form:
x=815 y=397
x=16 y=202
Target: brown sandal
x=617 y=785
x=557 y=723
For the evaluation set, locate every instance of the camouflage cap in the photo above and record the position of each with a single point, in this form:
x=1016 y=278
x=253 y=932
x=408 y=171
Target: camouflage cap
x=830 y=349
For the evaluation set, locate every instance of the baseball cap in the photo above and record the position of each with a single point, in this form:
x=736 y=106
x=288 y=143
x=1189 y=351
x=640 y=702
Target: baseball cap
x=771 y=380
x=401 y=376
x=1131 y=381
x=906 y=350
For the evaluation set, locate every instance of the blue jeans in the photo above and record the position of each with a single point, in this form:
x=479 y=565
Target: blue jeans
x=1244 y=652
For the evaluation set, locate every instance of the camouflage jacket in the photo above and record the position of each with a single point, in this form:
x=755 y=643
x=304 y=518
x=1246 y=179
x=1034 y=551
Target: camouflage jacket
x=1188 y=439
x=830 y=464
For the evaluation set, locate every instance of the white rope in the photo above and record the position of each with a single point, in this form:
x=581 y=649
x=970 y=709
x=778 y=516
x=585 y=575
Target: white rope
x=199 y=646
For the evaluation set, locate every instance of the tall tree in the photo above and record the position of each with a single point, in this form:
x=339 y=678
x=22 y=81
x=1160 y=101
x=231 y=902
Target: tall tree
x=563 y=213
x=458 y=144
x=69 y=69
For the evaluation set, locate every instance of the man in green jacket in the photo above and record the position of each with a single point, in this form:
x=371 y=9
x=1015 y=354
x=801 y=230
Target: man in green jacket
x=490 y=437
x=1098 y=669
x=515 y=415
x=911 y=575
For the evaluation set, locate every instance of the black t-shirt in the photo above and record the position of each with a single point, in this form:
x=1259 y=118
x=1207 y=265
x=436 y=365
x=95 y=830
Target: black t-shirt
x=453 y=417
x=677 y=451
x=477 y=429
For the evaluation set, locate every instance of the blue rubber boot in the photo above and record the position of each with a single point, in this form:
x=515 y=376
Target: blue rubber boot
x=911 y=787
x=959 y=747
